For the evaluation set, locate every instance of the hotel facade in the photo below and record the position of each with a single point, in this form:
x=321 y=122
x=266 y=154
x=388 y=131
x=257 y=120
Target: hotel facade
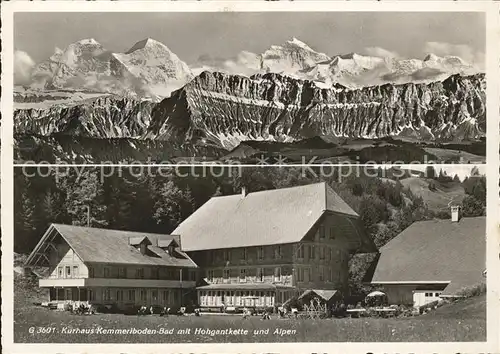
x=248 y=250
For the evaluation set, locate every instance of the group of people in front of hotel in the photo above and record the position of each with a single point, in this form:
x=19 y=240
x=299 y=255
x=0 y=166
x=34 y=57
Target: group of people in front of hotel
x=282 y=313
x=143 y=310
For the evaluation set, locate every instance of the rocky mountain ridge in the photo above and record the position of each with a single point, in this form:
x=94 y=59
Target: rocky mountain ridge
x=218 y=109
x=103 y=117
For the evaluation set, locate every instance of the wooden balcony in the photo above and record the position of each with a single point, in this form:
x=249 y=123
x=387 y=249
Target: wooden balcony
x=115 y=282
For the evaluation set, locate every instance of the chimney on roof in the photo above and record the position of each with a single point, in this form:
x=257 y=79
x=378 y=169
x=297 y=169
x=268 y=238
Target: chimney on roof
x=455 y=213
x=243 y=192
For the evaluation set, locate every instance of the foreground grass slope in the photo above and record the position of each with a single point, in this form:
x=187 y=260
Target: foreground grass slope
x=461 y=321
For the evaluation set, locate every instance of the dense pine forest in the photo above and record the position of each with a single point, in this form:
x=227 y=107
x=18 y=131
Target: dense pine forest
x=158 y=200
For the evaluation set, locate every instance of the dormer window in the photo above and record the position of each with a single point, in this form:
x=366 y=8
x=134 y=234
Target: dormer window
x=140 y=243
x=168 y=245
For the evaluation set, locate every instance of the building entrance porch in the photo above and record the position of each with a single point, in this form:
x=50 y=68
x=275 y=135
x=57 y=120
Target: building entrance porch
x=69 y=294
x=240 y=297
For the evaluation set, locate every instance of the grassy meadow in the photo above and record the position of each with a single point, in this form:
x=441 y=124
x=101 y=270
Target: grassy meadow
x=462 y=321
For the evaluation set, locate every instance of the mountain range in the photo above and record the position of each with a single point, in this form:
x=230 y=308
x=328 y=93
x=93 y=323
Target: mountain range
x=149 y=69
x=223 y=110
x=295 y=99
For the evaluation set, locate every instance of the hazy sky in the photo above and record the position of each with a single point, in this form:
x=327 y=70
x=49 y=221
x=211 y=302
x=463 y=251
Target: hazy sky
x=217 y=34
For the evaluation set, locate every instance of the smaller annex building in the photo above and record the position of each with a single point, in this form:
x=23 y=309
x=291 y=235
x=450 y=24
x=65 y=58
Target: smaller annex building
x=433 y=259
x=110 y=267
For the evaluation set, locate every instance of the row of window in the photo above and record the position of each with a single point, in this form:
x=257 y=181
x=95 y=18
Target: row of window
x=243 y=274
x=170 y=274
x=432 y=294
x=143 y=295
x=226 y=255
x=323 y=234
x=242 y=298
x=229 y=293
x=324 y=252
x=73 y=271
x=68 y=271
x=127 y=295
x=66 y=294
x=303 y=274
x=328 y=275
x=236 y=298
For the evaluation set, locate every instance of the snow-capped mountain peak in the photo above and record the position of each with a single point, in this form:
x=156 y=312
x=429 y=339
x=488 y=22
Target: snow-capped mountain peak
x=87 y=41
x=148 y=66
x=351 y=55
x=152 y=60
x=147 y=43
x=346 y=69
x=57 y=54
x=449 y=60
x=84 y=47
x=448 y=64
x=432 y=57
x=361 y=61
x=82 y=51
x=72 y=63
x=455 y=60
x=354 y=70
x=292 y=56
x=298 y=43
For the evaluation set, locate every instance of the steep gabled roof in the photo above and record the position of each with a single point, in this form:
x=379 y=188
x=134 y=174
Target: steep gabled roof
x=95 y=245
x=324 y=294
x=269 y=217
x=435 y=251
